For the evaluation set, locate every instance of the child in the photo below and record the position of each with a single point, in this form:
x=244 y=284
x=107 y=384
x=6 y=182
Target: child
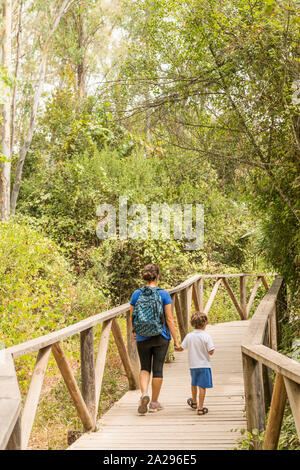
x=200 y=346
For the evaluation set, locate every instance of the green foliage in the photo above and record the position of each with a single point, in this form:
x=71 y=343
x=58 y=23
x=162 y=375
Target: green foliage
x=38 y=292
x=249 y=439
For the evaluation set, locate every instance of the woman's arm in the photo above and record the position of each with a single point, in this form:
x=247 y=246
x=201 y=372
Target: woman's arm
x=131 y=312
x=171 y=324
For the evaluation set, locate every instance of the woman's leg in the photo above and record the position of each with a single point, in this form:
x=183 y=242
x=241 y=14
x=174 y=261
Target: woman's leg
x=144 y=380
x=159 y=352
x=156 y=387
x=145 y=355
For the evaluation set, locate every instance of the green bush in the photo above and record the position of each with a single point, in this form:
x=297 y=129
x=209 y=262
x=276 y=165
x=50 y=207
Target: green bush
x=38 y=292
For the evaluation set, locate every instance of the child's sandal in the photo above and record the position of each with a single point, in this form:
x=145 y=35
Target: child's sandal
x=192 y=404
x=202 y=411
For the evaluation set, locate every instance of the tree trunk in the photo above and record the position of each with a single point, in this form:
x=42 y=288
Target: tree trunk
x=36 y=99
x=5 y=137
x=13 y=105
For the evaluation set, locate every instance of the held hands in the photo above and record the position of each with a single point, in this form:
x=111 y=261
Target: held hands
x=177 y=347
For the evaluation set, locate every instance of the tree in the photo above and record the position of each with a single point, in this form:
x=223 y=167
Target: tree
x=6 y=110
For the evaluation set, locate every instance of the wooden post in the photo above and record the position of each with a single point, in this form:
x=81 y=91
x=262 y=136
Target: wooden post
x=185 y=306
x=72 y=386
x=293 y=393
x=195 y=295
x=100 y=361
x=132 y=349
x=212 y=295
x=276 y=414
x=33 y=395
x=273 y=330
x=200 y=287
x=253 y=294
x=243 y=296
x=266 y=377
x=254 y=395
x=181 y=325
x=133 y=385
x=281 y=309
x=233 y=298
x=15 y=440
x=88 y=387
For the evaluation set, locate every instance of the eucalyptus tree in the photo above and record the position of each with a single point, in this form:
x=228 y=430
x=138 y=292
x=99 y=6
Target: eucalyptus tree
x=6 y=103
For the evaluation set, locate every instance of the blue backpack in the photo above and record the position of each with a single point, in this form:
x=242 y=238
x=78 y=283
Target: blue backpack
x=148 y=317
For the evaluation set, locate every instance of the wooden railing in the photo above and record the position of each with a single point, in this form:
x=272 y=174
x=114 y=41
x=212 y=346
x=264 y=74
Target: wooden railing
x=15 y=432
x=260 y=356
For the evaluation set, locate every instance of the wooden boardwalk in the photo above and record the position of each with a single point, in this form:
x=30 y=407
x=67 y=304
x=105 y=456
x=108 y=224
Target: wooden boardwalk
x=178 y=426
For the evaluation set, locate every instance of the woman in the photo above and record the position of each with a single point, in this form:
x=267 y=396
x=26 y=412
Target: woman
x=152 y=350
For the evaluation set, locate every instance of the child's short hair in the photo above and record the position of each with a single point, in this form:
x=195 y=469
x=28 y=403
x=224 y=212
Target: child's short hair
x=198 y=320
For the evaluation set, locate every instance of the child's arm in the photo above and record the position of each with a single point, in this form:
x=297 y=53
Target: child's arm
x=210 y=346
x=183 y=345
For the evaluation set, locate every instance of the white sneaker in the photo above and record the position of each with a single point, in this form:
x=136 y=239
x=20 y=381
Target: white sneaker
x=143 y=404
x=153 y=407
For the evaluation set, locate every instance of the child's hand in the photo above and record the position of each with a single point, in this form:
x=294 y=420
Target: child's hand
x=177 y=347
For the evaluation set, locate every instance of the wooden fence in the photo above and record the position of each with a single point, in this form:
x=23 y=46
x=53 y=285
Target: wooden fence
x=15 y=431
x=260 y=357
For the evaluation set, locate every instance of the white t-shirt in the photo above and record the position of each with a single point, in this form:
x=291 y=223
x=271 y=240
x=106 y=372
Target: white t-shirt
x=198 y=343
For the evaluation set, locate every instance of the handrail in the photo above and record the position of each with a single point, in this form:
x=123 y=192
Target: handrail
x=10 y=402
x=259 y=353
x=51 y=338
x=86 y=400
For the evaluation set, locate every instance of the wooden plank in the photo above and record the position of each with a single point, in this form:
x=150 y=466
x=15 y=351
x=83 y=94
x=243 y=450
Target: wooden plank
x=264 y=281
x=195 y=296
x=72 y=386
x=293 y=393
x=132 y=349
x=243 y=296
x=122 y=428
x=276 y=414
x=256 y=330
x=56 y=336
x=274 y=360
x=212 y=296
x=191 y=280
x=233 y=298
x=201 y=294
x=254 y=396
x=33 y=395
x=185 y=299
x=10 y=403
x=88 y=386
x=253 y=294
x=15 y=440
x=123 y=354
x=181 y=324
x=101 y=359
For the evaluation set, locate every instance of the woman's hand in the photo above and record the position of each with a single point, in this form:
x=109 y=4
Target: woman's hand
x=177 y=347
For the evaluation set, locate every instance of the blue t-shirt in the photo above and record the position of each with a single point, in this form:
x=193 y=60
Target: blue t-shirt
x=166 y=300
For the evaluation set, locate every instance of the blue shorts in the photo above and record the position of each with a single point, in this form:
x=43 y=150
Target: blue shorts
x=201 y=377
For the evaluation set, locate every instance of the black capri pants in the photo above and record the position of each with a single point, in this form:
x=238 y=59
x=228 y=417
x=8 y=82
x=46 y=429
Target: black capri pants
x=152 y=353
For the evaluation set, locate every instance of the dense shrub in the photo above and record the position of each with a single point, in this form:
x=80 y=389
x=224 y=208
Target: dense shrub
x=38 y=292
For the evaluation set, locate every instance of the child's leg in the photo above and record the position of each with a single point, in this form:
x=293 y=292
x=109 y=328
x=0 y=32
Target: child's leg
x=202 y=392
x=194 y=393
